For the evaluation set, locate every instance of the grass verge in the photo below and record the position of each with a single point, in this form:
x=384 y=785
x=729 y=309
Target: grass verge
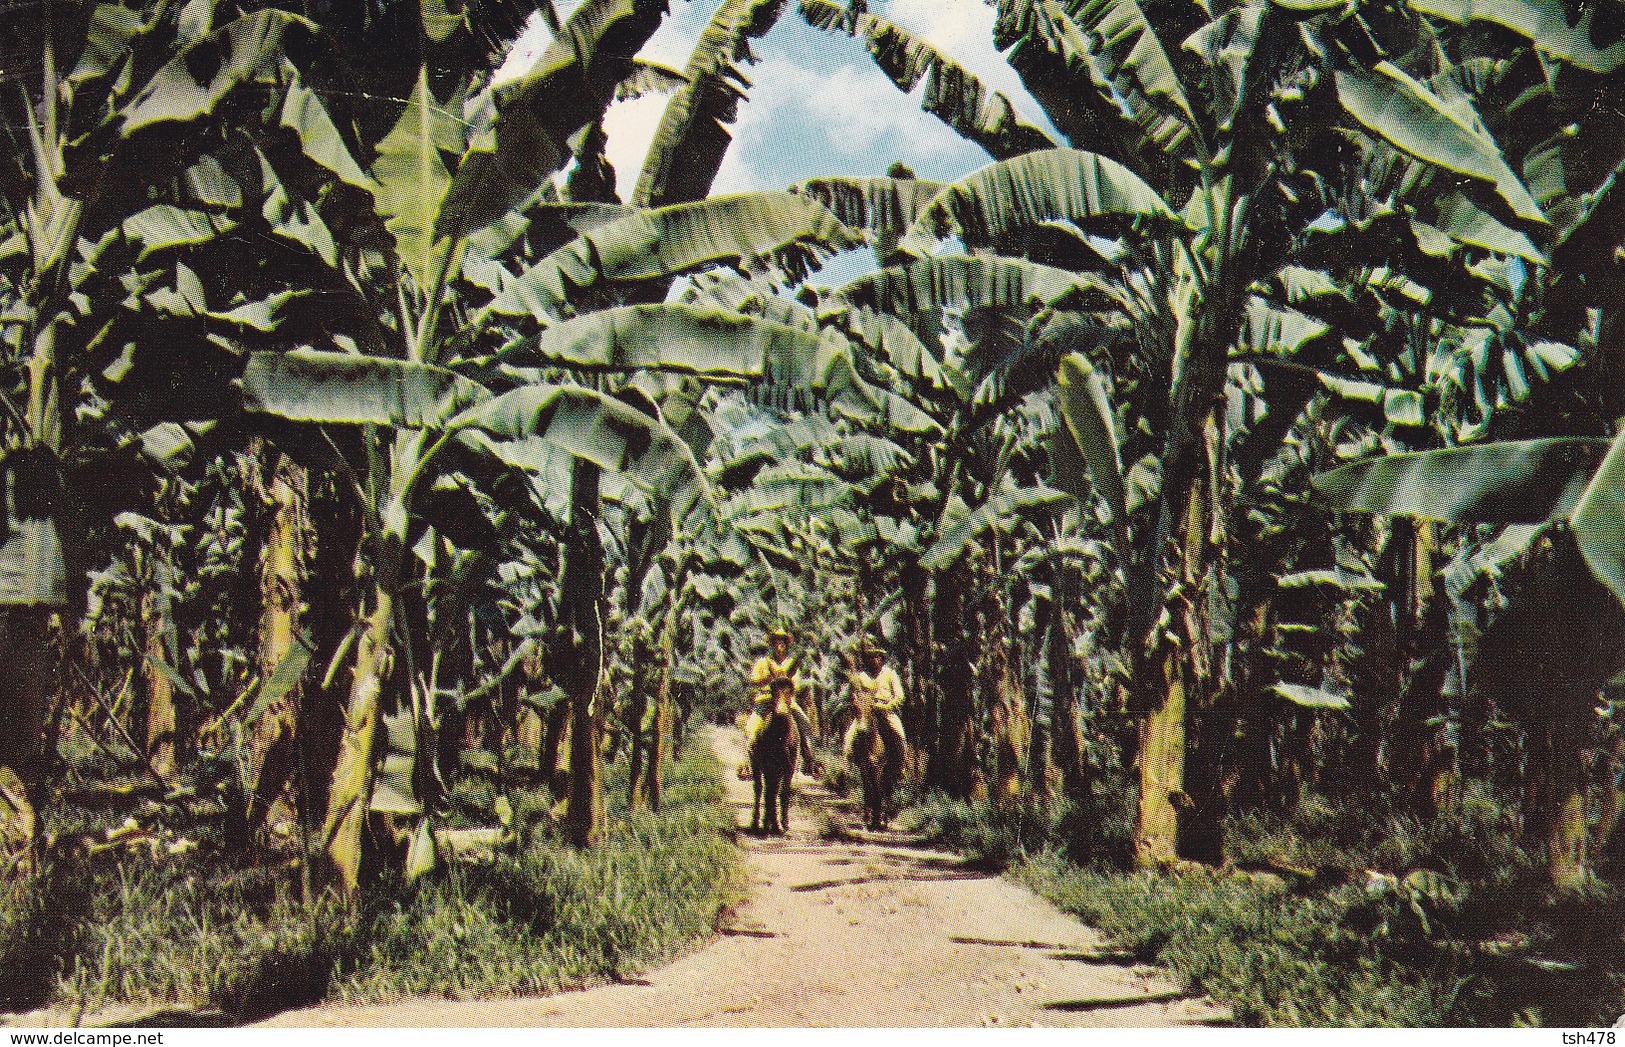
x=553 y=917
x=195 y=932
x=1276 y=959
x=1333 y=915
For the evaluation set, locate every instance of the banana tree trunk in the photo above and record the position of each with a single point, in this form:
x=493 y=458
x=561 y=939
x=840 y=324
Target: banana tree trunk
x=583 y=587
x=949 y=766
x=1047 y=698
x=351 y=790
x=272 y=758
x=1558 y=791
x=916 y=657
x=163 y=710
x=668 y=664
x=638 y=707
x=1181 y=665
x=1066 y=734
x=1568 y=855
x=1000 y=680
x=29 y=657
x=550 y=734
x=1162 y=771
x=662 y=729
x=34 y=604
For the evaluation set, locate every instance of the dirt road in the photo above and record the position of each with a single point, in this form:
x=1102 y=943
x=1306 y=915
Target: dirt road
x=865 y=930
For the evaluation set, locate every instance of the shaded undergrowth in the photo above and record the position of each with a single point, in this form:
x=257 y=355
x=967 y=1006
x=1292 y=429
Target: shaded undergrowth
x=196 y=930
x=1336 y=914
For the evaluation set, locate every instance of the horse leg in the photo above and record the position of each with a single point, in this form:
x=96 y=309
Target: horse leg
x=793 y=759
x=866 y=772
x=892 y=755
x=875 y=776
x=879 y=773
x=757 y=787
x=882 y=786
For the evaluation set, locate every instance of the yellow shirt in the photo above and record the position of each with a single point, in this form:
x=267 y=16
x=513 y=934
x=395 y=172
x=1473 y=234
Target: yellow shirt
x=764 y=670
x=882 y=691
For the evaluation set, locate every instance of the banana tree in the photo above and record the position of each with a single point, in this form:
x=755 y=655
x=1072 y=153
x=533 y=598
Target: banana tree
x=311 y=388
x=107 y=217
x=1545 y=656
x=1224 y=188
x=1550 y=304
x=449 y=249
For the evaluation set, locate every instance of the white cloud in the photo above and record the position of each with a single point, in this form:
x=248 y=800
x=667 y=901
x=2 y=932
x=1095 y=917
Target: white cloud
x=963 y=30
x=672 y=43
x=532 y=41
x=953 y=25
x=818 y=105
x=737 y=175
x=854 y=105
x=630 y=127
x=802 y=121
x=866 y=110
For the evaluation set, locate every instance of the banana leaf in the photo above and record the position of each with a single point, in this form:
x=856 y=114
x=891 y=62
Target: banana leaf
x=340 y=389
x=1091 y=191
x=1524 y=481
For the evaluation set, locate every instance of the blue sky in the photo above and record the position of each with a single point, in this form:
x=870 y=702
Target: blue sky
x=818 y=105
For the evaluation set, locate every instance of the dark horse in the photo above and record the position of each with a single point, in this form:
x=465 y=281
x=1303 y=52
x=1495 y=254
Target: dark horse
x=878 y=759
x=772 y=763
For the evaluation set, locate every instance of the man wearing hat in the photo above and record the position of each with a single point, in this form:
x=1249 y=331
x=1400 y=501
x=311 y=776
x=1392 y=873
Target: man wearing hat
x=878 y=687
x=778 y=662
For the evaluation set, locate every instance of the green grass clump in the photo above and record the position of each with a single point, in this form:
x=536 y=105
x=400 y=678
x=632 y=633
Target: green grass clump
x=1473 y=840
x=552 y=917
x=992 y=835
x=40 y=926
x=1095 y=829
x=194 y=934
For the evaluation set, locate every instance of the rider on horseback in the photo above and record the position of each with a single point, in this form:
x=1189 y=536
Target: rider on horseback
x=878 y=689
x=778 y=662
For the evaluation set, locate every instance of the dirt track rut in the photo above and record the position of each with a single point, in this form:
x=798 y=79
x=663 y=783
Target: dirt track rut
x=861 y=930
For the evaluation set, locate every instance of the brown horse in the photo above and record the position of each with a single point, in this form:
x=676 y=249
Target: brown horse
x=772 y=765
x=878 y=759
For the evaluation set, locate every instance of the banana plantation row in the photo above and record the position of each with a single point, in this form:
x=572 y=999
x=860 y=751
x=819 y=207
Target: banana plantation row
x=1249 y=420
